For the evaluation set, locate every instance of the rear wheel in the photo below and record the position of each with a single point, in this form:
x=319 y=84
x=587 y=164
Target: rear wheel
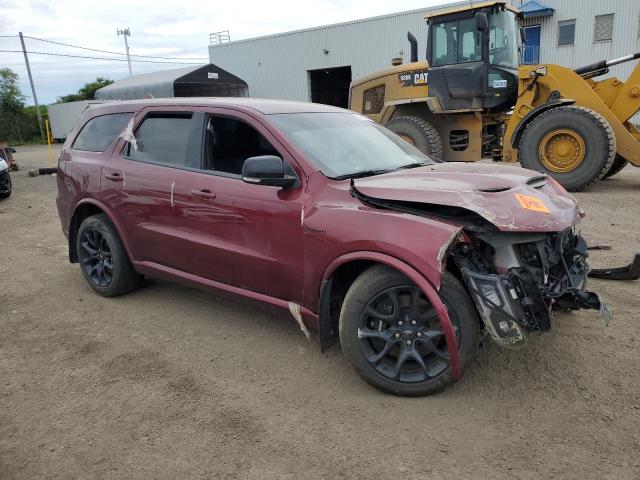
x=618 y=164
x=419 y=133
x=103 y=260
x=392 y=336
x=574 y=145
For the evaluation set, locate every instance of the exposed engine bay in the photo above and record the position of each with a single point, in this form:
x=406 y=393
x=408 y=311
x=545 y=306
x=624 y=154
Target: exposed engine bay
x=517 y=280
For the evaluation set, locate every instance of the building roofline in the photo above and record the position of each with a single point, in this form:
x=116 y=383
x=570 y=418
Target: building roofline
x=341 y=24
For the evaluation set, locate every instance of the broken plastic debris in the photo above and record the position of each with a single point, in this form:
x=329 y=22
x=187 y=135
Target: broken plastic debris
x=604 y=313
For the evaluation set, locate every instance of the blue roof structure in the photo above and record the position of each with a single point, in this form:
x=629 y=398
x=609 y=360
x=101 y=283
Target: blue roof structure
x=535 y=9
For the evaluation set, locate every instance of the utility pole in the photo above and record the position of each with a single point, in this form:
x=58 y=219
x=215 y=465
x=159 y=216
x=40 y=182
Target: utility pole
x=33 y=88
x=126 y=33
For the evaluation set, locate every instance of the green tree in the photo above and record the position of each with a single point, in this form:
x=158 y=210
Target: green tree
x=11 y=98
x=87 y=91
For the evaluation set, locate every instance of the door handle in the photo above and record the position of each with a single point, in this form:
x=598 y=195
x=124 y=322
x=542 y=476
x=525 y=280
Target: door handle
x=206 y=194
x=114 y=177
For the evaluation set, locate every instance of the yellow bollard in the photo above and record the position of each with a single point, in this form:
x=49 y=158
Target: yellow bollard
x=48 y=129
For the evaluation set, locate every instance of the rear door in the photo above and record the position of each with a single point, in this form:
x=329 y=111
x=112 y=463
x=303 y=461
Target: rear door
x=140 y=180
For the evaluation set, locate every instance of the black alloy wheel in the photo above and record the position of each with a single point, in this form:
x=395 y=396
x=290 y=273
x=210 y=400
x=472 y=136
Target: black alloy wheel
x=392 y=336
x=95 y=257
x=401 y=336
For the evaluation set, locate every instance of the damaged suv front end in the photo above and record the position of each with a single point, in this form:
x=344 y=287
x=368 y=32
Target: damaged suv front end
x=517 y=249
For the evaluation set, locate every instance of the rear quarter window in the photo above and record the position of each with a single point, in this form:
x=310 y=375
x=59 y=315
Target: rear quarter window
x=99 y=132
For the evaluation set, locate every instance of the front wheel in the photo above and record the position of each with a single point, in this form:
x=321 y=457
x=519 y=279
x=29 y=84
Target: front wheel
x=392 y=337
x=574 y=145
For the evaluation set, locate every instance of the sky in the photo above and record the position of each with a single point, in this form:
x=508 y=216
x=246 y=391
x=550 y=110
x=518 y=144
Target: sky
x=159 y=28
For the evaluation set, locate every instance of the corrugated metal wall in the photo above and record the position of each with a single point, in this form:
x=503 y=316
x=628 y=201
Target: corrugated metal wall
x=276 y=66
x=626 y=33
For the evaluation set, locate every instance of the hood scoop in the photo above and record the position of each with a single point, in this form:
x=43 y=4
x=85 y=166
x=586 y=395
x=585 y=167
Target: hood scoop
x=537 y=181
x=493 y=189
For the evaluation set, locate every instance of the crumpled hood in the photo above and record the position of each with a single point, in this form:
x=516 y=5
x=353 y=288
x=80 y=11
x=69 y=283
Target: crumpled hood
x=510 y=197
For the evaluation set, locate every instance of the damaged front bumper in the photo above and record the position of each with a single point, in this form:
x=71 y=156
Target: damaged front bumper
x=518 y=280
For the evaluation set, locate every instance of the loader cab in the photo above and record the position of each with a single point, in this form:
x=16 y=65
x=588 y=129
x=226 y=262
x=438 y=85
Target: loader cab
x=473 y=56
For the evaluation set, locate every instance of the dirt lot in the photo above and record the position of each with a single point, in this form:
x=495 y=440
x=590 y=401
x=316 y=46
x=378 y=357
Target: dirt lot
x=171 y=382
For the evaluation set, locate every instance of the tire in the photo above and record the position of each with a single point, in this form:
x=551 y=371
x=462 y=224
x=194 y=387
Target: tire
x=582 y=125
x=418 y=132
x=360 y=342
x=618 y=164
x=98 y=235
x=7 y=194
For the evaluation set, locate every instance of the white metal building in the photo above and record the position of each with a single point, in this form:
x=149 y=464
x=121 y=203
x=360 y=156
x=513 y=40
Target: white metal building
x=317 y=64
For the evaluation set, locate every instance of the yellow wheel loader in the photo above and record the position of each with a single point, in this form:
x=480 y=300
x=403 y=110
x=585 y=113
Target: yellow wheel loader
x=472 y=99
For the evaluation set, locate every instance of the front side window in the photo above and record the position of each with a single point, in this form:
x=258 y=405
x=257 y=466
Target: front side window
x=229 y=142
x=165 y=139
x=99 y=132
x=342 y=145
x=566 y=32
x=457 y=41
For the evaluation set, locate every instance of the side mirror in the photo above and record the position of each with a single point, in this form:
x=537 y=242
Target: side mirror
x=11 y=149
x=523 y=35
x=482 y=22
x=266 y=170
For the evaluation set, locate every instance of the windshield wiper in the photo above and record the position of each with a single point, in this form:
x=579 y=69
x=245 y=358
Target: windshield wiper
x=363 y=173
x=411 y=165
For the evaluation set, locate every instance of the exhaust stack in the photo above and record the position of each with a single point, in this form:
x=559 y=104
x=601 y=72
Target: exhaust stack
x=414 y=46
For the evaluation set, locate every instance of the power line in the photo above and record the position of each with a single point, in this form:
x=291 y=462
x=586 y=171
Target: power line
x=98 y=58
x=110 y=52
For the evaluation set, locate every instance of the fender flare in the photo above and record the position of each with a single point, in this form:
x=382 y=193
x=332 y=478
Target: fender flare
x=420 y=280
x=519 y=130
x=109 y=214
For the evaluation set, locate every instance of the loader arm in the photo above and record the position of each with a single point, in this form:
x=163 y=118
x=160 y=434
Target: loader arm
x=614 y=100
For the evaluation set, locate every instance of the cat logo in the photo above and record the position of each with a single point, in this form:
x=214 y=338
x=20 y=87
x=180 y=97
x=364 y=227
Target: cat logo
x=413 y=79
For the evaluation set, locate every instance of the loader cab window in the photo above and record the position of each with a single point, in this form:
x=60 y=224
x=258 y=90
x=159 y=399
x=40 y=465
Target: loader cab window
x=503 y=46
x=456 y=41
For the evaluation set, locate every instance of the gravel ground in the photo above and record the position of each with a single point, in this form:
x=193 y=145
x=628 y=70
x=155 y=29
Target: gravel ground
x=171 y=382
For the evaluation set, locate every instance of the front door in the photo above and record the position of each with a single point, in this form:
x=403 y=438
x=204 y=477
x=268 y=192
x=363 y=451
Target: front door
x=241 y=234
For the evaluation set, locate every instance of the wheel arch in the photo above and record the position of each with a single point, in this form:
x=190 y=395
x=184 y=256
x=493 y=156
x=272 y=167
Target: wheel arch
x=533 y=114
x=340 y=274
x=87 y=208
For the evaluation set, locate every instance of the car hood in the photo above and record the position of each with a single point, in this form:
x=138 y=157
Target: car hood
x=510 y=197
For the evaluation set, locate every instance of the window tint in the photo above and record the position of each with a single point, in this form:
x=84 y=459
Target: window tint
x=566 y=32
x=229 y=142
x=603 y=29
x=166 y=139
x=99 y=132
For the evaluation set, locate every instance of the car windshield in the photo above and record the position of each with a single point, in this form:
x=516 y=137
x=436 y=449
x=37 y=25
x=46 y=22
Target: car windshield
x=347 y=145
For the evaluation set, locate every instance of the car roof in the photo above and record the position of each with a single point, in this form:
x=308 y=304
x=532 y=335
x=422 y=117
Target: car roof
x=262 y=105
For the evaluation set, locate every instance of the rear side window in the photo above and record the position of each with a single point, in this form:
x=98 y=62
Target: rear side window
x=99 y=132
x=167 y=139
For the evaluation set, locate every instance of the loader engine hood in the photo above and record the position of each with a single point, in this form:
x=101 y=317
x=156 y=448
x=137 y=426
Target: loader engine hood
x=511 y=198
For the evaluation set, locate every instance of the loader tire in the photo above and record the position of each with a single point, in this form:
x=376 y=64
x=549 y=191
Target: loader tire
x=618 y=164
x=418 y=132
x=574 y=145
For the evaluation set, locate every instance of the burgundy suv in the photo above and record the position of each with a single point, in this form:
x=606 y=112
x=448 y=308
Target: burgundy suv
x=323 y=212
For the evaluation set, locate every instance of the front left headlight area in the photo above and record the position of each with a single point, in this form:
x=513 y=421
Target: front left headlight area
x=4 y=166
x=517 y=280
